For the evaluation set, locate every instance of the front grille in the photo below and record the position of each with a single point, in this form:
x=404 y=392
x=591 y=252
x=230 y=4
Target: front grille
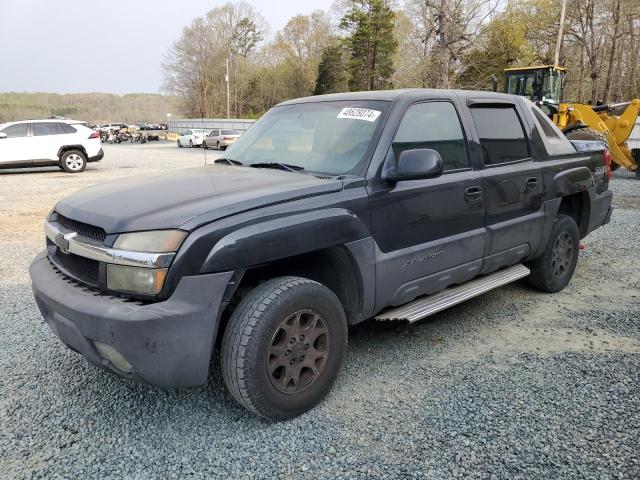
x=83 y=229
x=84 y=269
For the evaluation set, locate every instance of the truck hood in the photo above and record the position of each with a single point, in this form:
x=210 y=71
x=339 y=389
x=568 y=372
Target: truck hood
x=187 y=198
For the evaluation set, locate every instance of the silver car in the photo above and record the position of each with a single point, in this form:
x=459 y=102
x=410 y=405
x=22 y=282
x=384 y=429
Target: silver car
x=221 y=139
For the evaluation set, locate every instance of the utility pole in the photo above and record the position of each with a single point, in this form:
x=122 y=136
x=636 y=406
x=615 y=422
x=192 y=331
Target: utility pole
x=559 y=42
x=226 y=79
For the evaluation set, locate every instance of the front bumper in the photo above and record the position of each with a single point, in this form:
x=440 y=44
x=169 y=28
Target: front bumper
x=167 y=344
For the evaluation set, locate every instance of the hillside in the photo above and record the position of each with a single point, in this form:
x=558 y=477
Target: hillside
x=91 y=107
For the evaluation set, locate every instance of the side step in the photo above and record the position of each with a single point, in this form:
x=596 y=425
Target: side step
x=430 y=304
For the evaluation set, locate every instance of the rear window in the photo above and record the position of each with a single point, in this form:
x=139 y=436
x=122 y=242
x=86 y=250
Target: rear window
x=501 y=134
x=16 y=130
x=51 y=128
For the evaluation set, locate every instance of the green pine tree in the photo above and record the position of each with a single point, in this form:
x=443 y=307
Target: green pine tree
x=332 y=74
x=371 y=44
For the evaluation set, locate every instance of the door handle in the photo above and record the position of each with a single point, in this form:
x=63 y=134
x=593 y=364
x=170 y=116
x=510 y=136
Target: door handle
x=532 y=183
x=472 y=194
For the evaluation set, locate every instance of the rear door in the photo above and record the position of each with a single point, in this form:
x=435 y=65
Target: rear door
x=430 y=233
x=511 y=180
x=48 y=138
x=16 y=146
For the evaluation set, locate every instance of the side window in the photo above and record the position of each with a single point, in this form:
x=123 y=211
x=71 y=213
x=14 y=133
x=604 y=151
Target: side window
x=46 y=128
x=17 y=130
x=66 y=128
x=433 y=125
x=501 y=134
x=554 y=141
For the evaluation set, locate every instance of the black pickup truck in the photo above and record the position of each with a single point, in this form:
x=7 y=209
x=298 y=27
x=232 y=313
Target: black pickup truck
x=330 y=210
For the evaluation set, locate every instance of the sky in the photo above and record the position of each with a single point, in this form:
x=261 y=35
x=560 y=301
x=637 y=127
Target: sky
x=79 y=46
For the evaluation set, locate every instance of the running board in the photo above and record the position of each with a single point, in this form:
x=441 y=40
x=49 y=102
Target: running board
x=430 y=304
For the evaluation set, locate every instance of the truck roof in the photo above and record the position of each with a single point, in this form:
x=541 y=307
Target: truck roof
x=394 y=95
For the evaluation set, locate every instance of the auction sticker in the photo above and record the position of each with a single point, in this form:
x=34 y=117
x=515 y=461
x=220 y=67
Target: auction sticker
x=359 y=114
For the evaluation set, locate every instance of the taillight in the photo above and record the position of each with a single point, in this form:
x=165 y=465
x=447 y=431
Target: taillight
x=227 y=138
x=606 y=156
x=94 y=135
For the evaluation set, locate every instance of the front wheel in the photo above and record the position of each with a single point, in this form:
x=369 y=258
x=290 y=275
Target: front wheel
x=284 y=346
x=73 y=161
x=552 y=271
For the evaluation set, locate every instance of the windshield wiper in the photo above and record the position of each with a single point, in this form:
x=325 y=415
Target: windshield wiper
x=282 y=166
x=228 y=161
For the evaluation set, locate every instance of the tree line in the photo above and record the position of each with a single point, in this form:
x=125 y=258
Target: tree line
x=91 y=107
x=381 y=44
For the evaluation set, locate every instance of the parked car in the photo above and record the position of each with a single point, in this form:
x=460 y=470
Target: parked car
x=221 y=139
x=37 y=143
x=192 y=138
x=328 y=211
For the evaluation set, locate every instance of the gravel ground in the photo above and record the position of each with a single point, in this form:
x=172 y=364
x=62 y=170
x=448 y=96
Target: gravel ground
x=513 y=384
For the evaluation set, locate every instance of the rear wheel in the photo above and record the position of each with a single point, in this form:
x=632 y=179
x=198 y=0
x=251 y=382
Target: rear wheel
x=217 y=145
x=73 y=161
x=552 y=271
x=179 y=144
x=284 y=346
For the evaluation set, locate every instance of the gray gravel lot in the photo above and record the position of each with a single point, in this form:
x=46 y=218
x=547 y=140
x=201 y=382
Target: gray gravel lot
x=514 y=384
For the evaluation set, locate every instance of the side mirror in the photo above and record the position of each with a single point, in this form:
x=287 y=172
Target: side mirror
x=3 y=135
x=416 y=164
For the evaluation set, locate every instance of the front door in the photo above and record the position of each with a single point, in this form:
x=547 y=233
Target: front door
x=429 y=233
x=14 y=148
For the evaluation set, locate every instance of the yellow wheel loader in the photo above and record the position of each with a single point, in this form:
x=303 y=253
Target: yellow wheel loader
x=611 y=124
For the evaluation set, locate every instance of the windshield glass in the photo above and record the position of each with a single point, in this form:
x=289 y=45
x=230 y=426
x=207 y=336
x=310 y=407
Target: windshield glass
x=326 y=137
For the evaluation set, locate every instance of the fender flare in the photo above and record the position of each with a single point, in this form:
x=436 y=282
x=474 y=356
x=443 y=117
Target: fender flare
x=284 y=237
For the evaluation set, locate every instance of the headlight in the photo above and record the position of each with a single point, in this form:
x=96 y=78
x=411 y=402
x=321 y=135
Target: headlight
x=135 y=279
x=155 y=241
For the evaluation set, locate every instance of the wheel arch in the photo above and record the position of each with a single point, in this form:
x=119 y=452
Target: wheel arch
x=334 y=267
x=66 y=148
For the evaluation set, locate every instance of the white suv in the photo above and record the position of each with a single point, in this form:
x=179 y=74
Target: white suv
x=35 y=143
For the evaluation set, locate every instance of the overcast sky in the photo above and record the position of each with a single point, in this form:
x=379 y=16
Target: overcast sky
x=67 y=46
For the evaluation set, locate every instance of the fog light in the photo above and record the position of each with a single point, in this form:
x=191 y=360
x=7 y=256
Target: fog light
x=135 y=279
x=111 y=354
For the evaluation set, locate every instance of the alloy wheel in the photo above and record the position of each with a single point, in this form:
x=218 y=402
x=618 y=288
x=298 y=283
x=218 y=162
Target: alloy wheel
x=298 y=351
x=562 y=254
x=74 y=162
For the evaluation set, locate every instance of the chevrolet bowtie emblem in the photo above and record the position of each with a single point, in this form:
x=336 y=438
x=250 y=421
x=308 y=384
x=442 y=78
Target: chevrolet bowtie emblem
x=62 y=241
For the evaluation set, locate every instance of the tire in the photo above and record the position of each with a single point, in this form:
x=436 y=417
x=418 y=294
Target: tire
x=204 y=145
x=271 y=321
x=179 y=144
x=552 y=271
x=190 y=143
x=73 y=161
x=217 y=145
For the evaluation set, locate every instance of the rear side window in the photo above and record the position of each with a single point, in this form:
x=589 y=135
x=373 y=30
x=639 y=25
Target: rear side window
x=17 y=130
x=433 y=125
x=501 y=134
x=553 y=140
x=66 y=128
x=47 y=128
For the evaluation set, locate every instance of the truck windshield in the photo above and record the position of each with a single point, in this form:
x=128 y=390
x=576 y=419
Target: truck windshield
x=326 y=137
